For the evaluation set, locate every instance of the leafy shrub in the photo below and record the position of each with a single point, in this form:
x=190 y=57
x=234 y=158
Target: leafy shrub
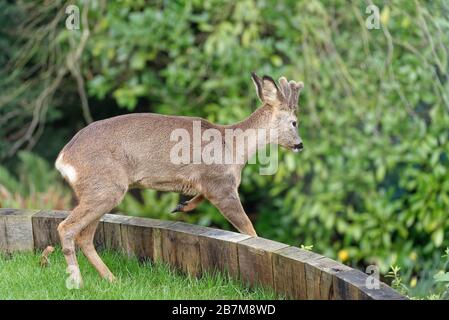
x=35 y=186
x=432 y=284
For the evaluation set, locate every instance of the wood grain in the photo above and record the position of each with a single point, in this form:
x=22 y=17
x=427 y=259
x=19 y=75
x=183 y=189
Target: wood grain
x=139 y=238
x=351 y=285
x=181 y=247
x=112 y=231
x=320 y=274
x=99 y=241
x=255 y=260
x=3 y=241
x=45 y=228
x=289 y=270
x=17 y=230
x=219 y=252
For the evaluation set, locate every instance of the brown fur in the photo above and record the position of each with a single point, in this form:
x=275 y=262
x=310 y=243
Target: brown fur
x=133 y=151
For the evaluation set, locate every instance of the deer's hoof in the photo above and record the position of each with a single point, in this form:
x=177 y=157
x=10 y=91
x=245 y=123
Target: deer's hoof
x=111 y=278
x=74 y=281
x=179 y=207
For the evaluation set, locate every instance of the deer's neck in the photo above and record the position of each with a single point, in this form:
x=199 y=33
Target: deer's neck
x=255 y=131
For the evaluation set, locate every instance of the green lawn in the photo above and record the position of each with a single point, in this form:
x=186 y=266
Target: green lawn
x=21 y=277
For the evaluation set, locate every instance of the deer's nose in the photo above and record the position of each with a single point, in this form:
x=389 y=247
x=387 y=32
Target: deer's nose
x=299 y=146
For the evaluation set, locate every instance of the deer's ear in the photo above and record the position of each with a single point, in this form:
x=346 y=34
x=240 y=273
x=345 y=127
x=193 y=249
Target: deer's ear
x=267 y=90
x=258 y=84
x=270 y=91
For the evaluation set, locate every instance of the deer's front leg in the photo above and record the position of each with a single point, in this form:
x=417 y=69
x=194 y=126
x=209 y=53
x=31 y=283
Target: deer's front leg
x=228 y=202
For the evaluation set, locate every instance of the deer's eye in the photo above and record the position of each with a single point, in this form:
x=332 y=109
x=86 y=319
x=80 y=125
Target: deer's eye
x=294 y=124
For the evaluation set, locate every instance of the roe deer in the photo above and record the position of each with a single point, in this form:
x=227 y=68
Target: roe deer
x=106 y=158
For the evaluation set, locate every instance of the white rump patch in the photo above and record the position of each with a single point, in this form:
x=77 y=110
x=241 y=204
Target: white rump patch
x=67 y=170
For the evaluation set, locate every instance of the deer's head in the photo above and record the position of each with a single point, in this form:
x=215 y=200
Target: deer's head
x=284 y=101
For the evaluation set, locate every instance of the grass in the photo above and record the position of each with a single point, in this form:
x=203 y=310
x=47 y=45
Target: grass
x=21 y=277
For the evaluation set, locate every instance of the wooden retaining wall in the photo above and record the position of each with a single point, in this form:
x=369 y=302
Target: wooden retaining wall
x=292 y=272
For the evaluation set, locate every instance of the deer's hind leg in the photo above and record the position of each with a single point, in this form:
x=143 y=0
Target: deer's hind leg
x=95 y=199
x=85 y=240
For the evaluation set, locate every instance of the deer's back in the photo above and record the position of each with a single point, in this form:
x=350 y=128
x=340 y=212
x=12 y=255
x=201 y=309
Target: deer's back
x=138 y=145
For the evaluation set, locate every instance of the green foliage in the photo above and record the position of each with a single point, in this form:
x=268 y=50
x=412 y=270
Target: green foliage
x=397 y=282
x=159 y=205
x=34 y=186
x=443 y=276
x=19 y=279
x=32 y=66
x=308 y=248
x=433 y=283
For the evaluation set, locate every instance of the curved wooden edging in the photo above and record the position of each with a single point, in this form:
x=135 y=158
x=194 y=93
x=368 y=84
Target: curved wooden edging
x=292 y=272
